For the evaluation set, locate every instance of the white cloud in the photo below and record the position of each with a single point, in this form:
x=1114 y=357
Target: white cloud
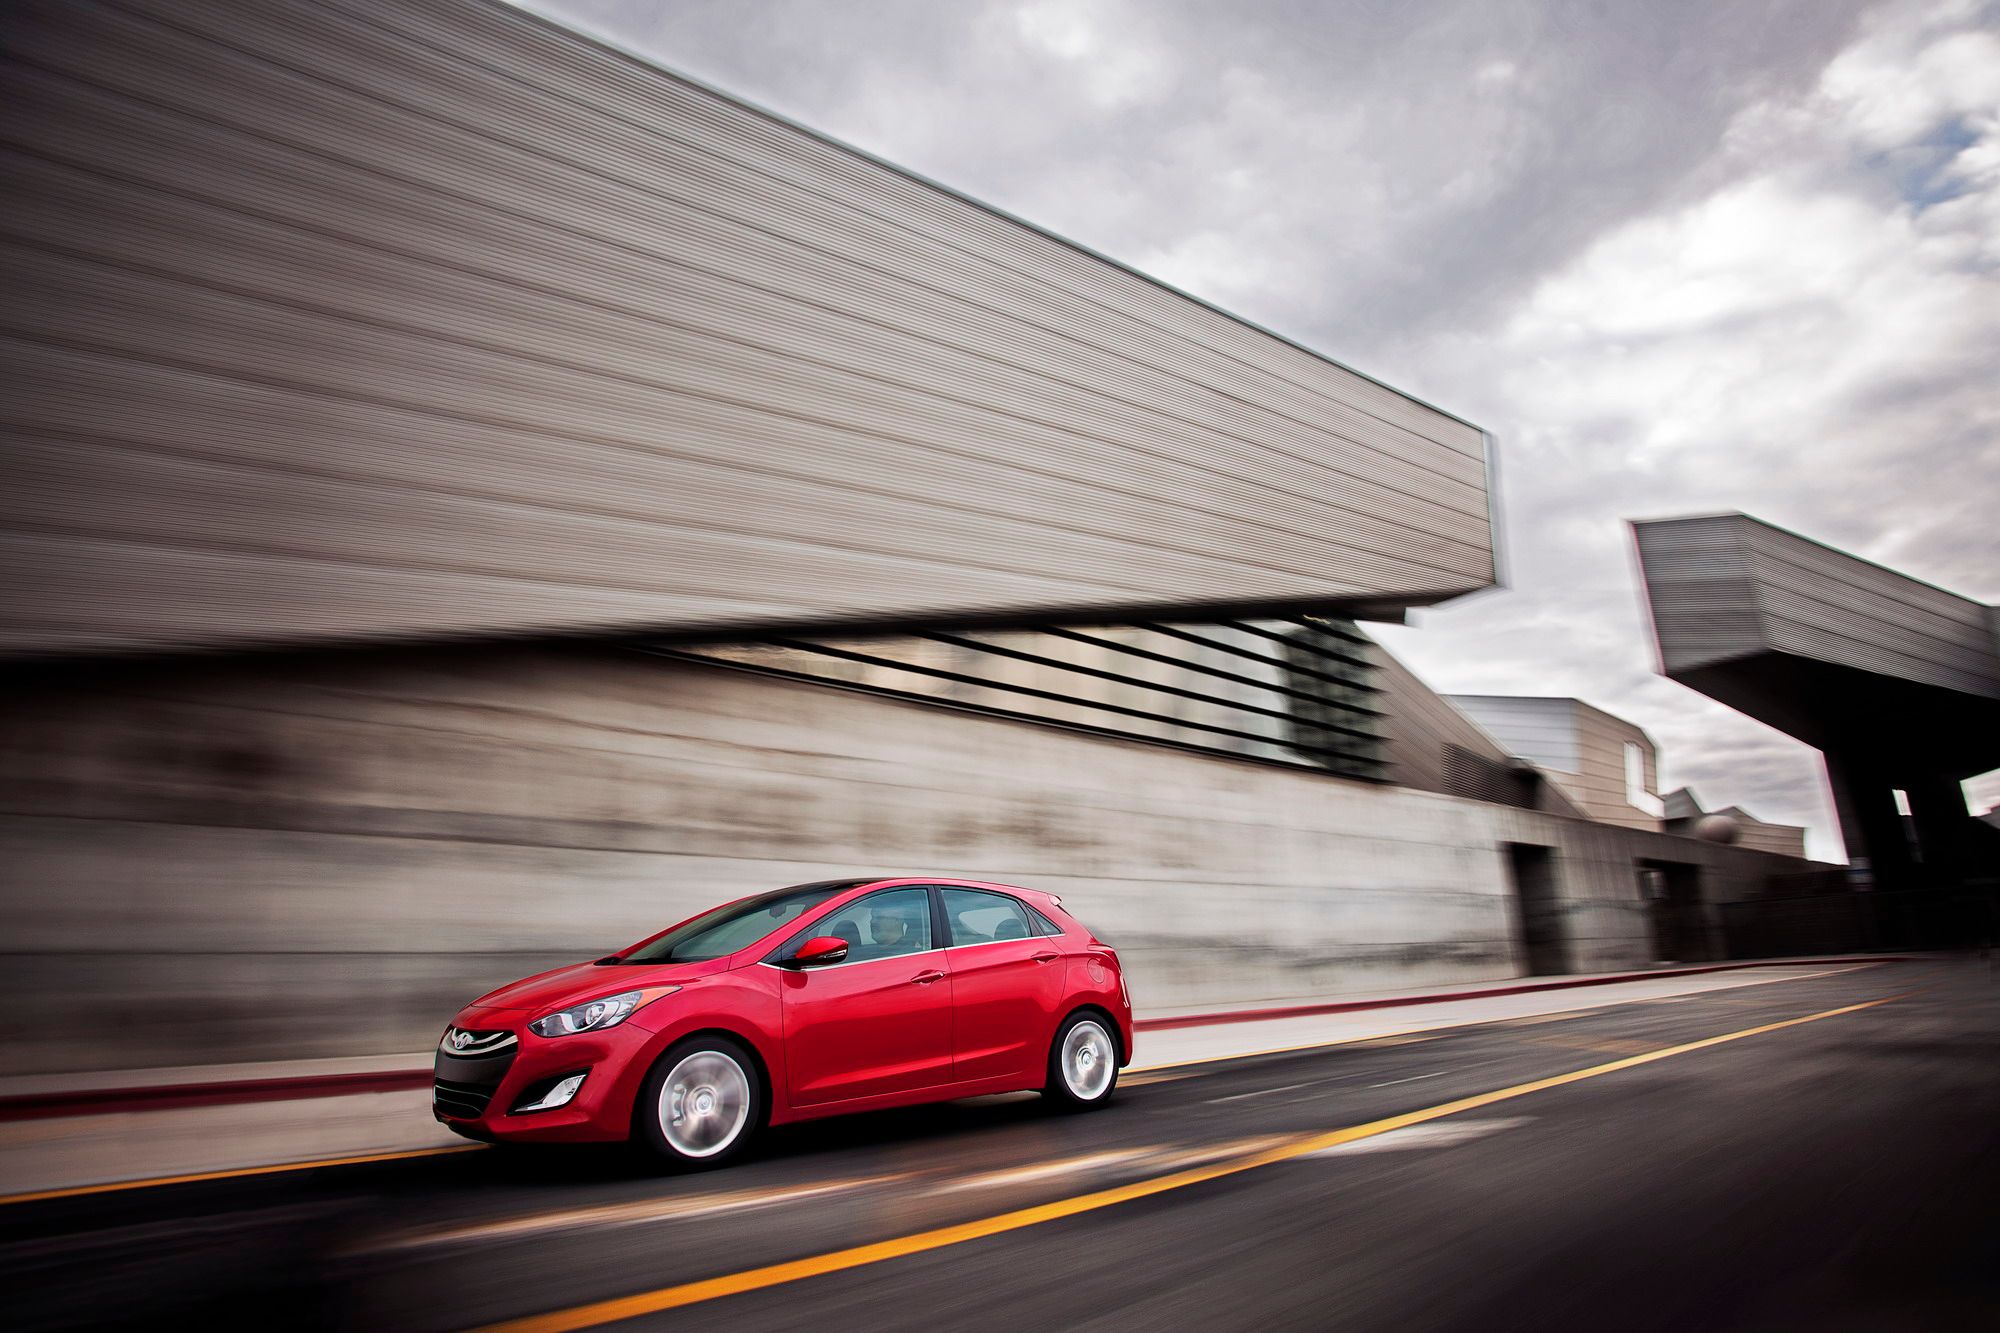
x=1112 y=60
x=1803 y=339
x=1983 y=792
x=1915 y=72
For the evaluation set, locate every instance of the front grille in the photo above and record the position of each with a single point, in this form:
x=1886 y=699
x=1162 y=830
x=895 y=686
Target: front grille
x=467 y=1101
x=471 y=1045
x=468 y=1068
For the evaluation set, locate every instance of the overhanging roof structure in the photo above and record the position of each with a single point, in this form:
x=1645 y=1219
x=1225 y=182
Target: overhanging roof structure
x=329 y=319
x=1848 y=656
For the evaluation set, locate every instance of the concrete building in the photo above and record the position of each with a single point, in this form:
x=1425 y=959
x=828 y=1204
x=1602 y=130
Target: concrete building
x=424 y=426
x=1732 y=824
x=1896 y=682
x=1607 y=766
x=1431 y=744
x=322 y=852
x=1312 y=691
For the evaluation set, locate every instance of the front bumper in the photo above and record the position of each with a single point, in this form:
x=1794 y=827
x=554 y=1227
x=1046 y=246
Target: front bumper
x=476 y=1095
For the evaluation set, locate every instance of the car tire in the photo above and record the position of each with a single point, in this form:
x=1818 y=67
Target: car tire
x=1083 y=1062
x=701 y=1104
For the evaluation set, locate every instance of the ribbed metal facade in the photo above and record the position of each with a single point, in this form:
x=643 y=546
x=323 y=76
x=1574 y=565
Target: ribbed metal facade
x=1728 y=586
x=1895 y=681
x=1543 y=731
x=337 y=319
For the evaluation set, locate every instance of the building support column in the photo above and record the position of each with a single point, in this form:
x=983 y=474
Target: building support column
x=1945 y=835
x=1864 y=797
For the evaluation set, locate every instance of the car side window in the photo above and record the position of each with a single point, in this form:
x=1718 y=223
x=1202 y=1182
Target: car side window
x=882 y=925
x=978 y=917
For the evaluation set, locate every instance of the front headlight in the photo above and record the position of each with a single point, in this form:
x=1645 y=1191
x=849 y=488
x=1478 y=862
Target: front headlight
x=596 y=1015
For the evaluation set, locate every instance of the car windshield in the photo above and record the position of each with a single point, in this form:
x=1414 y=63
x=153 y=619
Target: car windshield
x=723 y=931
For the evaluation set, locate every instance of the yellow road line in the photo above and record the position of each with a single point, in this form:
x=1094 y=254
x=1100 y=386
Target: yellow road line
x=114 y=1186
x=771 y=1275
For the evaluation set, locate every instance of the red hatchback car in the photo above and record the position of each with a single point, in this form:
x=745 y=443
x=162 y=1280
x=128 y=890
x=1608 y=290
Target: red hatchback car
x=843 y=995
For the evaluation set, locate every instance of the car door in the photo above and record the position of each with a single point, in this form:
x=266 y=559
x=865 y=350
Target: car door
x=879 y=1022
x=1007 y=983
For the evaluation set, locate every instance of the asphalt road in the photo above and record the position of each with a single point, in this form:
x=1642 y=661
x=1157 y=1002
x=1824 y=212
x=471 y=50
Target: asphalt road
x=1836 y=1173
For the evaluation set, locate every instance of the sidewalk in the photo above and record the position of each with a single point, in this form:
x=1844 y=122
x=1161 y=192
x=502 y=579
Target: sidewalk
x=1223 y=1036
x=62 y=1131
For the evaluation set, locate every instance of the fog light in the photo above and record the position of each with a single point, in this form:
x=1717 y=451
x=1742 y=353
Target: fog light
x=560 y=1095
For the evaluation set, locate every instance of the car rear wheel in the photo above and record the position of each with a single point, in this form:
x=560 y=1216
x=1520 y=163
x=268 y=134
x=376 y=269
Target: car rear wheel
x=1083 y=1063
x=701 y=1103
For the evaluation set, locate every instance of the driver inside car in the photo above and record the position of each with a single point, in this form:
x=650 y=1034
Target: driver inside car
x=893 y=933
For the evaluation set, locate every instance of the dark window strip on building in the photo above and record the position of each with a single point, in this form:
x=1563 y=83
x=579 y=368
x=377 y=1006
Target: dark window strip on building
x=1204 y=668
x=1354 y=666
x=1320 y=722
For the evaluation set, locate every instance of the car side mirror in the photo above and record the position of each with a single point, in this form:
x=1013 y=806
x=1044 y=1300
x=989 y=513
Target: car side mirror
x=819 y=951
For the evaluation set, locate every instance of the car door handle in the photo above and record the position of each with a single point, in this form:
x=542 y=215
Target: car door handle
x=1047 y=957
x=926 y=978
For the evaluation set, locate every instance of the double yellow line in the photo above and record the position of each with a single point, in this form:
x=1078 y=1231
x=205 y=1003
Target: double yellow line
x=772 y=1275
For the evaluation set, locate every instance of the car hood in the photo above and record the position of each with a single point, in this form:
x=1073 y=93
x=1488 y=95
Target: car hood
x=588 y=981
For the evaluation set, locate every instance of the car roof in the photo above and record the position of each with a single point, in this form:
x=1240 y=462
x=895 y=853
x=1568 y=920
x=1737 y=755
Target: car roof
x=956 y=882
x=859 y=886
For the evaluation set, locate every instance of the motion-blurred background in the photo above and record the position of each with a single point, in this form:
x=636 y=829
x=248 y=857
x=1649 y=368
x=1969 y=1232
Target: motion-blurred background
x=475 y=496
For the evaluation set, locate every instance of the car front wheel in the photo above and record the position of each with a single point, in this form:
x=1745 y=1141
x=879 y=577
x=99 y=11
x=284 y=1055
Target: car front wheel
x=701 y=1103
x=1083 y=1063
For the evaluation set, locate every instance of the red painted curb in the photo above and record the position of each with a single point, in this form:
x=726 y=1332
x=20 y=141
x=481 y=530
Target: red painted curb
x=1398 y=1001
x=103 y=1101
x=100 y=1101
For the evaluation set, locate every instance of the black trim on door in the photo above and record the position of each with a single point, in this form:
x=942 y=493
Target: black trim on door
x=940 y=926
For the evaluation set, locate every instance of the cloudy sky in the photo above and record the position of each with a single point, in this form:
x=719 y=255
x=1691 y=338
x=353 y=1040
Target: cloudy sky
x=1715 y=254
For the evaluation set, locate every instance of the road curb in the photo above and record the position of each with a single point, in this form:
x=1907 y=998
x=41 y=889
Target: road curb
x=225 y=1092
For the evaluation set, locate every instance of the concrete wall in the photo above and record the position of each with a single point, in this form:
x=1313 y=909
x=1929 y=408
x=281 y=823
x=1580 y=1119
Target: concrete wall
x=277 y=857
